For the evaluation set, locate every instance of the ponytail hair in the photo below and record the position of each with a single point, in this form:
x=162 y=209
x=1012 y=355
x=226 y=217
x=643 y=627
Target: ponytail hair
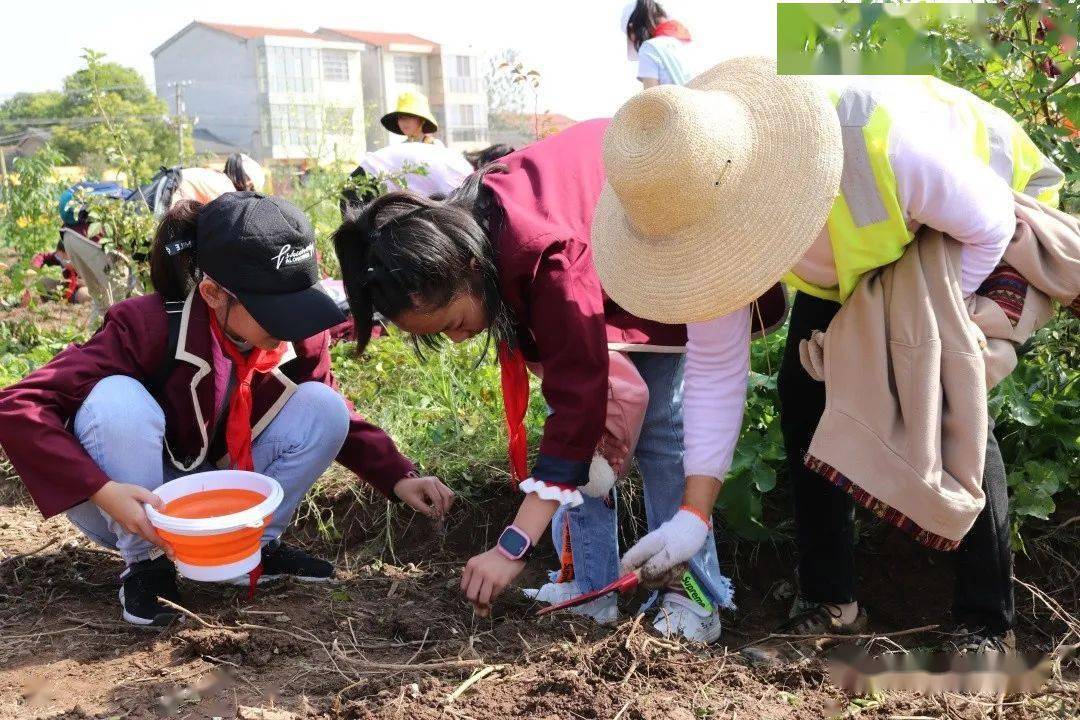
x=234 y=170
x=647 y=14
x=403 y=251
x=175 y=275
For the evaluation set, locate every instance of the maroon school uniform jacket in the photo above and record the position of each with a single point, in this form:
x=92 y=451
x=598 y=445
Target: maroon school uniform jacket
x=565 y=321
x=36 y=413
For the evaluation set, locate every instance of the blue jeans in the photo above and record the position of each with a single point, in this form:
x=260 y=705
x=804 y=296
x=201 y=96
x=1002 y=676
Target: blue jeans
x=593 y=524
x=122 y=428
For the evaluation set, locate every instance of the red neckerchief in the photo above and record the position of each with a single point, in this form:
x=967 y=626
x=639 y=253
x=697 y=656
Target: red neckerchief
x=238 y=425
x=515 y=392
x=672 y=28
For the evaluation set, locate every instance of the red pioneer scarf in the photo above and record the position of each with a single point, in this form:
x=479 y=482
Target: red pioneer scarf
x=515 y=392
x=238 y=424
x=672 y=28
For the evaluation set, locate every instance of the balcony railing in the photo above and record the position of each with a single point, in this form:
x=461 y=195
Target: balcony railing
x=472 y=85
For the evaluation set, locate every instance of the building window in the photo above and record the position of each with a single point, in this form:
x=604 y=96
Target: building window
x=466 y=115
x=291 y=69
x=335 y=65
x=464 y=65
x=477 y=134
x=408 y=70
x=339 y=121
x=292 y=124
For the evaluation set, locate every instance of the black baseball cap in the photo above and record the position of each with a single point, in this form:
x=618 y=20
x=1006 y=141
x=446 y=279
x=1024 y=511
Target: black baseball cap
x=262 y=250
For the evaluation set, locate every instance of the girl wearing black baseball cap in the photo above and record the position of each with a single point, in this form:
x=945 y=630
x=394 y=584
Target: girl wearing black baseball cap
x=226 y=365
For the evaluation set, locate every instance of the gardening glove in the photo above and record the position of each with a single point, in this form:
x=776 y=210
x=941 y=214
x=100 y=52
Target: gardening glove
x=668 y=546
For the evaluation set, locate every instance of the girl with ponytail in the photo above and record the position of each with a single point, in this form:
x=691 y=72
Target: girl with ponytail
x=508 y=254
x=663 y=48
x=226 y=365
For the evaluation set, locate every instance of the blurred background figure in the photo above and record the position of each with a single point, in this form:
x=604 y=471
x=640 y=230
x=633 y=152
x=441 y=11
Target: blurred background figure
x=245 y=173
x=661 y=46
x=431 y=170
x=490 y=154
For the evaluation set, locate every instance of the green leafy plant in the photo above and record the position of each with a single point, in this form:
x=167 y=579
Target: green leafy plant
x=1037 y=411
x=29 y=217
x=319 y=192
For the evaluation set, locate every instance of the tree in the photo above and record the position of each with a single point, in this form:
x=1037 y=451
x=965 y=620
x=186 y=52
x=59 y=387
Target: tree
x=504 y=94
x=105 y=117
x=24 y=106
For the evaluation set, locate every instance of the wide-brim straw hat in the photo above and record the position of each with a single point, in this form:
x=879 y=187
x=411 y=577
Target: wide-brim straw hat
x=411 y=103
x=714 y=190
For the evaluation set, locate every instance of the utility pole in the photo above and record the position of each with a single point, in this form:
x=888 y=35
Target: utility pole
x=178 y=88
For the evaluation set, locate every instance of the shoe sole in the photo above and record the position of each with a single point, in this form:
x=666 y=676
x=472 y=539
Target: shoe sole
x=244 y=582
x=161 y=620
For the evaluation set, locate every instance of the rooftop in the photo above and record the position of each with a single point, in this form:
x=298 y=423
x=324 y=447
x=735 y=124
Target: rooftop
x=379 y=39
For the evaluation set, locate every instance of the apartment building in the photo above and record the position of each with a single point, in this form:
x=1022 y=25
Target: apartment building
x=279 y=93
x=450 y=77
x=289 y=95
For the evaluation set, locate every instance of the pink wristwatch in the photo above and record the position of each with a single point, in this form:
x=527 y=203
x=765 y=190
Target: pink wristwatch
x=515 y=543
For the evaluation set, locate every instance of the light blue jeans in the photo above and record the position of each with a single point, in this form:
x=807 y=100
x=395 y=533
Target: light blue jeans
x=122 y=428
x=594 y=525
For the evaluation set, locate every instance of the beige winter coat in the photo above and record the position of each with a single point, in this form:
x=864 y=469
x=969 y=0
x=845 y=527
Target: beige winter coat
x=908 y=361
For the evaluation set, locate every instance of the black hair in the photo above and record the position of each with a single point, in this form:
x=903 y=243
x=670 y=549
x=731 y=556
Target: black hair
x=647 y=14
x=234 y=169
x=403 y=251
x=489 y=154
x=175 y=276
x=352 y=196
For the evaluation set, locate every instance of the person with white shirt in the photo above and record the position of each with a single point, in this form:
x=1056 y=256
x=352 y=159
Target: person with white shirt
x=663 y=48
x=754 y=177
x=429 y=169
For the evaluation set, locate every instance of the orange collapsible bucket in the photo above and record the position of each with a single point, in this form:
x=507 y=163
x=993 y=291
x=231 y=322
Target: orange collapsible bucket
x=215 y=520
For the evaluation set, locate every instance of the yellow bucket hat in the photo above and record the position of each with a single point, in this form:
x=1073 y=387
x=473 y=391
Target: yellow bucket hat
x=411 y=103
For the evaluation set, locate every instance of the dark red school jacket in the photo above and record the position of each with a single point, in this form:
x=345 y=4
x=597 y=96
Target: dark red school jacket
x=36 y=413
x=565 y=320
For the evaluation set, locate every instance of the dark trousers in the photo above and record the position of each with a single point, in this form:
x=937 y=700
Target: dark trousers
x=825 y=514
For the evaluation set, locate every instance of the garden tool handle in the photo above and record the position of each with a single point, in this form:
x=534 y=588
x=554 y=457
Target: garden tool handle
x=626 y=583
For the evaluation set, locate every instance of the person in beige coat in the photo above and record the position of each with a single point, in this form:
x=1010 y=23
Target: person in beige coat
x=745 y=177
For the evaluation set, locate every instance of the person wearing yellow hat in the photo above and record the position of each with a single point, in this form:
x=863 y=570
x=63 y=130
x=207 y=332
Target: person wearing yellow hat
x=744 y=177
x=413 y=119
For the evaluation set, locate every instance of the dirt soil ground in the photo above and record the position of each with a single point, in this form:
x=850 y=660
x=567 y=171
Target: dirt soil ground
x=393 y=639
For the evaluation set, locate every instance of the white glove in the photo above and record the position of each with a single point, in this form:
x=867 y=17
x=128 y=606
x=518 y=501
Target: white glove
x=601 y=478
x=671 y=544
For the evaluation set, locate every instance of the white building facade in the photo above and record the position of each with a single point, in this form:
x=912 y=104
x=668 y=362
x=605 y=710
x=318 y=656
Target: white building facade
x=288 y=95
x=450 y=77
x=277 y=94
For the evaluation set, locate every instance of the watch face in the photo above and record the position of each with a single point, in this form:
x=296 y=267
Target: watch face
x=513 y=542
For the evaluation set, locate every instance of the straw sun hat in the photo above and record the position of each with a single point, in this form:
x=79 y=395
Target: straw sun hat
x=714 y=190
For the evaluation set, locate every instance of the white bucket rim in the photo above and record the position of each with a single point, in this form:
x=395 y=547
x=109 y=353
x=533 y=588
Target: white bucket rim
x=252 y=517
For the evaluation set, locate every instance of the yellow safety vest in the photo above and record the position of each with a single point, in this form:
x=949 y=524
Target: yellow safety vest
x=866 y=224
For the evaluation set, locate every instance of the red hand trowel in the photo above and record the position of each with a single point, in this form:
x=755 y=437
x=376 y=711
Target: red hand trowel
x=625 y=584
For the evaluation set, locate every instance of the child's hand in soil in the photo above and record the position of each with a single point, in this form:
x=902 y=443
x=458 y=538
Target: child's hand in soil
x=123 y=502
x=425 y=495
x=486 y=576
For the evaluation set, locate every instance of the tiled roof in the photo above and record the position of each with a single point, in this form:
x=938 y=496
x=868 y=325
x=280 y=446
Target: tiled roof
x=249 y=32
x=379 y=39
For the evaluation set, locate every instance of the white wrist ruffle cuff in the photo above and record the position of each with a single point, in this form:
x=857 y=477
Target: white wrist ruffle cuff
x=571 y=498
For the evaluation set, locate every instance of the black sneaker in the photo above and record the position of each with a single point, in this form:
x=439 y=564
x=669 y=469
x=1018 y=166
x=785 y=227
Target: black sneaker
x=280 y=560
x=803 y=635
x=142 y=584
x=965 y=641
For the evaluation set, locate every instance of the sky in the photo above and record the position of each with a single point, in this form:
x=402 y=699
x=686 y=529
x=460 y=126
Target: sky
x=574 y=44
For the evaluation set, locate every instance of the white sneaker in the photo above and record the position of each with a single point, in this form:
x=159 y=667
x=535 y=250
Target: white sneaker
x=604 y=610
x=679 y=615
